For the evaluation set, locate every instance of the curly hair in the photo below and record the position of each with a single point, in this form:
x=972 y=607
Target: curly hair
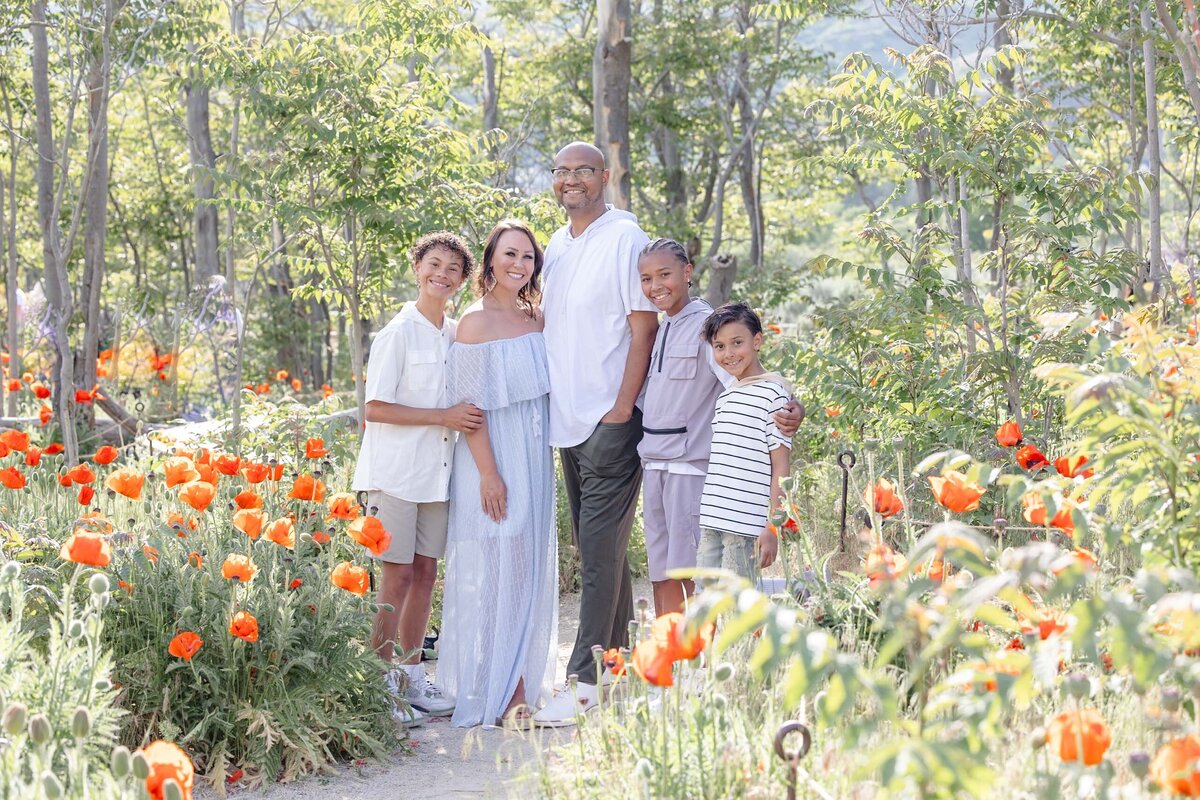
x=449 y=241
x=530 y=292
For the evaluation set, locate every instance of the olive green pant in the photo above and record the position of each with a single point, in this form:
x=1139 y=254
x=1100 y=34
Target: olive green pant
x=603 y=475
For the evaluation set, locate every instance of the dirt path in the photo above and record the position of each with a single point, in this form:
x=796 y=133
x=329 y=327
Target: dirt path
x=448 y=762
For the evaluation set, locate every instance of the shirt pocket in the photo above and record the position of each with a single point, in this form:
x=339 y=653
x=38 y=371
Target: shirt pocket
x=681 y=361
x=422 y=370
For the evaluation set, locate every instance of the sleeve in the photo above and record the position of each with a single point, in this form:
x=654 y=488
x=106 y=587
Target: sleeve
x=385 y=366
x=775 y=439
x=632 y=297
x=722 y=374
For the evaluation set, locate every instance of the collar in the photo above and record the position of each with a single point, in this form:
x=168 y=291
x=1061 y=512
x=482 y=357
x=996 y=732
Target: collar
x=409 y=312
x=696 y=305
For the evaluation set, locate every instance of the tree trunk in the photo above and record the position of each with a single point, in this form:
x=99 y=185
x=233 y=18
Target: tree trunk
x=11 y=284
x=58 y=288
x=611 y=76
x=1187 y=52
x=491 y=102
x=1150 y=65
x=1003 y=38
x=747 y=168
x=95 y=208
x=237 y=24
x=723 y=272
x=203 y=161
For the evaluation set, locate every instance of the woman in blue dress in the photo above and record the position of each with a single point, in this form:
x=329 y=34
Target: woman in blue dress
x=500 y=609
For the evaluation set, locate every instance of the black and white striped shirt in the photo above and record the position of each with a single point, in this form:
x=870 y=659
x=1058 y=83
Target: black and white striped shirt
x=737 y=489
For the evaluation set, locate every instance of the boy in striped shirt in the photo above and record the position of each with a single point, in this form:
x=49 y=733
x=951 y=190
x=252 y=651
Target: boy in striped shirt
x=749 y=455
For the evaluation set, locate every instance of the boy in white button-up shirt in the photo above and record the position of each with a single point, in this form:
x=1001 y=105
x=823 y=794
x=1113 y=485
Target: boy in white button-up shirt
x=404 y=463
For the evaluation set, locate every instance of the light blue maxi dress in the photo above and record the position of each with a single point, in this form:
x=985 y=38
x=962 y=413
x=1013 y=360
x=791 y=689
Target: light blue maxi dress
x=500 y=609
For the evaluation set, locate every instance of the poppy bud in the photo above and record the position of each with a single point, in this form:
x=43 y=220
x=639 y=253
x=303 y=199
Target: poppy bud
x=81 y=723
x=75 y=630
x=139 y=766
x=51 y=786
x=1077 y=685
x=1171 y=699
x=98 y=583
x=119 y=762
x=572 y=681
x=102 y=685
x=1037 y=738
x=14 y=719
x=100 y=601
x=1139 y=764
x=171 y=790
x=642 y=603
x=644 y=769
x=719 y=702
x=723 y=672
x=11 y=570
x=39 y=729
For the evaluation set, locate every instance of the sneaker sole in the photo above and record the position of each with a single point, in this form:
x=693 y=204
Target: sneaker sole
x=445 y=712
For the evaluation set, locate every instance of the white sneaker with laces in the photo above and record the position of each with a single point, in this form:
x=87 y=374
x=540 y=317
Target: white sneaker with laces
x=429 y=697
x=567 y=706
x=402 y=712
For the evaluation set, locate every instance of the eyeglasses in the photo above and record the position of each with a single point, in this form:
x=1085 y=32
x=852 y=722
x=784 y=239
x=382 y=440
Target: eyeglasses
x=562 y=173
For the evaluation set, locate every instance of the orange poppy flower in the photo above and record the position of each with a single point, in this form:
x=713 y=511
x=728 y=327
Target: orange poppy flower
x=342 y=505
x=179 y=469
x=227 y=464
x=127 y=482
x=13 y=385
x=168 y=761
x=84 y=396
x=185 y=645
x=315 y=448
x=986 y=672
x=296 y=583
x=326 y=390
x=1079 y=556
x=94 y=521
x=255 y=473
x=1035 y=512
x=353 y=579
x=179 y=522
x=54 y=448
x=41 y=391
x=883 y=497
x=306 y=487
x=670 y=629
x=238 y=567
x=935 y=569
x=263 y=388
x=33 y=456
x=248 y=499
x=45 y=414
x=296 y=385
x=27 y=377
x=208 y=474
x=1009 y=434
x=86 y=493
x=954 y=492
x=614 y=662
x=106 y=454
x=15 y=440
x=85 y=547
x=281 y=532
x=250 y=521
x=202 y=456
x=125 y=586
x=370 y=533
x=4 y=451
x=150 y=553
x=833 y=411
x=1072 y=467
x=320 y=537
x=244 y=626
x=882 y=564
x=281 y=375
x=1046 y=622
x=195 y=559
x=1079 y=726
x=81 y=473
x=198 y=494
x=1176 y=766
x=64 y=479
x=1030 y=458
x=12 y=478
x=652 y=662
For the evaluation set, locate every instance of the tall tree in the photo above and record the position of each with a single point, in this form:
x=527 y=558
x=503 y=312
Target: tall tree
x=611 y=75
x=204 y=161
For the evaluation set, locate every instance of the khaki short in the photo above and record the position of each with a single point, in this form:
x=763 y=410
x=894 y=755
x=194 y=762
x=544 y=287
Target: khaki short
x=416 y=528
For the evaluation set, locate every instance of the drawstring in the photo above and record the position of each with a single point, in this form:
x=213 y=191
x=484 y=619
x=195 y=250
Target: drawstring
x=662 y=350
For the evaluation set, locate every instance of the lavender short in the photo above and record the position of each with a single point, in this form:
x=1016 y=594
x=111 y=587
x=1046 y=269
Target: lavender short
x=671 y=520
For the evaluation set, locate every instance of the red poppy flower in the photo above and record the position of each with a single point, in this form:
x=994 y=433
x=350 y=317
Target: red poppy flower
x=315 y=448
x=1009 y=434
x=81 y=473
x=12 y=478
x=227 y=464
x=1073 y=466
x=1030 y=458
x=41 y=391
x=15 y=440
x=45 y=414
x=85 y=547
x=106 y=454
x=248 y=499
x=185 y=645
x=86 y=493
x=244 y=626
x=167 y=761
x=955 y=493
x=33 y=456
x=306 y=487
x=883 y=497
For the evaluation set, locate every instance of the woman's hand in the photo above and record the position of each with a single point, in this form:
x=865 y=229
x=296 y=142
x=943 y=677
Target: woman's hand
x=494 y=496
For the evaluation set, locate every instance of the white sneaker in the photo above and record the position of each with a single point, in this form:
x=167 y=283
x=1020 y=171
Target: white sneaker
x=567 y=706
x=429 y=697
x=407 y=716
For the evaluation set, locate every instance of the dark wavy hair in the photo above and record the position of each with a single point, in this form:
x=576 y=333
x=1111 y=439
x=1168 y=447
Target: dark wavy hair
x=730 y=312
x=531 y=292
x=450 y=241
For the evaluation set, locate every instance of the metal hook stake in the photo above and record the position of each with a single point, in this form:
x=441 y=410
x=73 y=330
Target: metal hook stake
x=792 y=759
x=846 y=461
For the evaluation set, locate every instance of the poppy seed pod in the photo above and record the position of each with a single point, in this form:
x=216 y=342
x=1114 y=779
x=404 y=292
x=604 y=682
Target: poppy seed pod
x=719 y=702
x=51 y=786
x=98 y=583
x=14 y=719
x=39 y=729
x=1139 y=764
x=119 y=763
x=81 y=723
x=644 y=769
x=723 y=672
x=1172 y=699
x=171 y=790
x=139 y=766
x=75 y=629
x=11 y=570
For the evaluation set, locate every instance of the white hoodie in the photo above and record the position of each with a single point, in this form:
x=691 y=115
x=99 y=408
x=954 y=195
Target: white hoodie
x=591 y=286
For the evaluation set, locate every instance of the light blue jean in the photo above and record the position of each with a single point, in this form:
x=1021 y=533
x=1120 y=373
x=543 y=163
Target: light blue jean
x=731 y=551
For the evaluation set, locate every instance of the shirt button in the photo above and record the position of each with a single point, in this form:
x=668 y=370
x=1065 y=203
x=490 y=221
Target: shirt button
x=443 y=463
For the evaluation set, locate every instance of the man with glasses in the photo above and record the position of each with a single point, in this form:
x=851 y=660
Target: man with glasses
x=600 y=330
